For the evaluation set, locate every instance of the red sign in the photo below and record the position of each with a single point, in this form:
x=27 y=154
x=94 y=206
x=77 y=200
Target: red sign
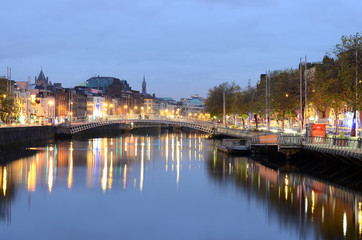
x=269 y=139
x=318 y=130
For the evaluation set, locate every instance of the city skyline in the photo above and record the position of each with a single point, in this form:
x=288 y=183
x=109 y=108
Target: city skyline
x=182 y=47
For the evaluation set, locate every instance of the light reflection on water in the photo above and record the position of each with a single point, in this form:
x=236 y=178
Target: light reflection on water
x=106 y=158
x=283 y=205
x=305 y=201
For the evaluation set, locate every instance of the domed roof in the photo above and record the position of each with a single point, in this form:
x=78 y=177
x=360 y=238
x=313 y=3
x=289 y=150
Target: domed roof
x=195 y=102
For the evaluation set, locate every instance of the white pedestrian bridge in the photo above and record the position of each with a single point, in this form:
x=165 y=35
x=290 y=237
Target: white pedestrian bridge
x=128 y=124
x=346 y=147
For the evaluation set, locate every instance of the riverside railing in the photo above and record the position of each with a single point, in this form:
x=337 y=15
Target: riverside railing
x=342 y=147
x=278 y=139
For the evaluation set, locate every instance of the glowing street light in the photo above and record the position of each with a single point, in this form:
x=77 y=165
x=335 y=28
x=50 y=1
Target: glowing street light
x=50 y=104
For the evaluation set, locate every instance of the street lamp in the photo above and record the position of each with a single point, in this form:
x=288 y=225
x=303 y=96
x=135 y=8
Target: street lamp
x=50 y=104
x=70 y=110
x=125 y=109
x=356 y=111
x=111 y=107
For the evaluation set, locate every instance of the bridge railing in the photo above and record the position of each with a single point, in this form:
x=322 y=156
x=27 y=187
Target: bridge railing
x=290 y=140
x=277 y=139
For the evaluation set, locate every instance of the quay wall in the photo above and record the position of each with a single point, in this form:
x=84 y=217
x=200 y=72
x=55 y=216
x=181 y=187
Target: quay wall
x=16 y=137
x=238 y=133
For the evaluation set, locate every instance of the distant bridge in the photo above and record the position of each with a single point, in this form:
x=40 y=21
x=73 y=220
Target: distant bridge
x=74 y=128
x=206 y=127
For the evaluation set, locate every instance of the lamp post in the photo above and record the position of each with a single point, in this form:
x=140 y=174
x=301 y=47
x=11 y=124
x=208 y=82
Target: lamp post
x=223 y=109
x=111 y=107
x=125 y=109
x=134 y=110
x=50 y=104
x=356 y=111
x=283 y=123
x=354 y=129
x=105 y=109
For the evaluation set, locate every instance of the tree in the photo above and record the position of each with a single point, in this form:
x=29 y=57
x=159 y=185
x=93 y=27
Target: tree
x=8 y=106
x=214 y=101
x=285 y=93
x=349 y=56
x=244 y=103
x=330 y=89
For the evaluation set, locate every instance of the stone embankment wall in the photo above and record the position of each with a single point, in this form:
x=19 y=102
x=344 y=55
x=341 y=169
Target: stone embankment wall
x=20 y=137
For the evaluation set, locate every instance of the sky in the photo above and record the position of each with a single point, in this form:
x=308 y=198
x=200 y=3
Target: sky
x=183 y=47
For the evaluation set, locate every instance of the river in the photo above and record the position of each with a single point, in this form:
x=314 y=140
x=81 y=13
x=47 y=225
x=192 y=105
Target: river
x=166 y=186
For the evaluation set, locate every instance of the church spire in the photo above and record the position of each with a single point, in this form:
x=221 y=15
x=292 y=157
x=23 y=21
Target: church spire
x=144 y=85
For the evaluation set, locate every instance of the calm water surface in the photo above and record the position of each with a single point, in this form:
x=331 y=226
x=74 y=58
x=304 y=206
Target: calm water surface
x=169 y=186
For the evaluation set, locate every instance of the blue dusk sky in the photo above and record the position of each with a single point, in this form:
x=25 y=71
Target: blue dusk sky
x=182 y=46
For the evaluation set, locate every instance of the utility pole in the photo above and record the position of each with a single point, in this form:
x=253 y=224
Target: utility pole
x=266 y=100
x=224 y=111
x=301 y=96
x=269 y=101
x=7 y=81
x=70 y=107
x=11 y=90
x=7 y=93
x=305 y=85
x=356 y=111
